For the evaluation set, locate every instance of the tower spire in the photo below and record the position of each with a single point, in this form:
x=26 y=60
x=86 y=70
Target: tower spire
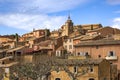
x=69 y=16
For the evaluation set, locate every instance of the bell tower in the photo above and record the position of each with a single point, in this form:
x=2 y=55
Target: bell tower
x=68 y=26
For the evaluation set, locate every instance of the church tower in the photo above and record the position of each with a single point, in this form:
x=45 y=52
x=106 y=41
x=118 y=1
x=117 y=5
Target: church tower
x=68 y=28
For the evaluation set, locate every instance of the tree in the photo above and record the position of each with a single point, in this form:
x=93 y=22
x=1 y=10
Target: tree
x=16 y=37
x=43 y=67
x=1 y=73
x=61 y=65
x=34 y=71
x=25 y=71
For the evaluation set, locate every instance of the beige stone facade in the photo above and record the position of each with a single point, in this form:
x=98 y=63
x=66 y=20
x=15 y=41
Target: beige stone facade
x=68 y=45
x=67 y=29
x=55 y=34
x=35 y=33
x=99 y=71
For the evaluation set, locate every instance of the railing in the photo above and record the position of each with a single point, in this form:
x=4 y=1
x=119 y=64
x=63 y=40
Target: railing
x=111 y=57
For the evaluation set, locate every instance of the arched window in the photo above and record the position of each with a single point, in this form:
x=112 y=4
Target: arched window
x=91 y=79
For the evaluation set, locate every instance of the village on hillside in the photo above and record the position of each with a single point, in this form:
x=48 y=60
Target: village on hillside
x=73 y=52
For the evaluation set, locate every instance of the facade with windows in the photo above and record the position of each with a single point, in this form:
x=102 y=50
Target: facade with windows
x=60 y=52
x=36 y=33
x=107 y=49
x=87 y=69
x=68 y=45
x=67 y=29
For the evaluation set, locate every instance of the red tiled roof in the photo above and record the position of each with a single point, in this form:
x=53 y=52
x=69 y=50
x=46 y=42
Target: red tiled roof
x=28 y=50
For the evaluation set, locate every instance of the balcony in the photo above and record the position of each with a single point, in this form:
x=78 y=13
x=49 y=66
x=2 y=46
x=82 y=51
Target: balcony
x=111 y=57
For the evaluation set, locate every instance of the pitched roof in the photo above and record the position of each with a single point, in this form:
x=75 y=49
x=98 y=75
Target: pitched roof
x=79 y=37
x=15 y=49
x=98 y=42
x=44 y=43
x=3 y=50
x=85 y=25
x=8 y=57
x=61 y=48
x=8 y=65
x=87 y=37
x=34 y=38
x=74 y=34
x=106 y=31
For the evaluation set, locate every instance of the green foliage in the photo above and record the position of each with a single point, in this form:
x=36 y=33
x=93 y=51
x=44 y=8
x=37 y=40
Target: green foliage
x=30 y=70
x=47 y=31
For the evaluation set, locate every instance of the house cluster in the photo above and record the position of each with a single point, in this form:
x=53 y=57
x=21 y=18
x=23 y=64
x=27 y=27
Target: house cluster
x=90 y=51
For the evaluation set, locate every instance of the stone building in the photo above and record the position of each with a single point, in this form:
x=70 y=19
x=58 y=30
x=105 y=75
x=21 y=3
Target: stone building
x=107 y=49
x=36 y=34
x=55 y=34
x=87 y=69
x=104 y=31
x=68 y=44
x=88 y=27
x=70 y=28
x=67 y=29
x=6 y=38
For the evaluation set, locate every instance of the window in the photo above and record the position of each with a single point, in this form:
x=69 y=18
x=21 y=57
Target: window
x=86 y=53
x=91 y=79
x=18 y=53
x=65 y=46
x=92 y=27
x=42 y=32
x=58 y=53
x=97 y=47
x=91 y=69
x=99 y=56
x=69 y=40
x=57 y=78
x=105 y=79
x=65 y=40
x=70 y=46
x=111 y=53
x=78 y=53
x=75 y=69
